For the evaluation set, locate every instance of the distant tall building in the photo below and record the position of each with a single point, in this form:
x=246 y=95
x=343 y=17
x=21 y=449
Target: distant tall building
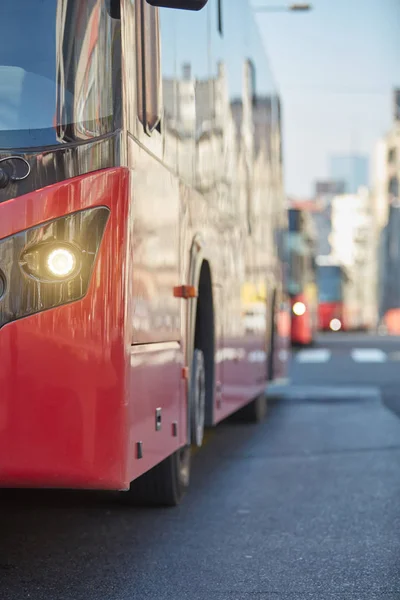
x=352 y=170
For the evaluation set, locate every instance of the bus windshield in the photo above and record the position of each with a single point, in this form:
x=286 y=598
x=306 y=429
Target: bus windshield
x=51 y=55
x=329 y=284
x=301 y=264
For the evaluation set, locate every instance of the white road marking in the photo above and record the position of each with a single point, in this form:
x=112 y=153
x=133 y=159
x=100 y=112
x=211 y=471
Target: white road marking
x=368 y=355
x=325 y=393
x=359 y=355
x=319 y=355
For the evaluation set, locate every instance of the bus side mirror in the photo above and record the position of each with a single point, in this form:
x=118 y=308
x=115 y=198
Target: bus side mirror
x=180 y=4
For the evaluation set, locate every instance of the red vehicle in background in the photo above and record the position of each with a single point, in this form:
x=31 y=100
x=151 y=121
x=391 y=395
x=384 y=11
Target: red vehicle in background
x=341 y=305
x=140 y=164
x=330 y=280
x=301 y=244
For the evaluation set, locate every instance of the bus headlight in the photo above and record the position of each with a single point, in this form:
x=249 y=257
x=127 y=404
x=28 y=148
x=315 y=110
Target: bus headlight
x=50 y=264
x=335 y=325
x=299 y=308
x=61 y=262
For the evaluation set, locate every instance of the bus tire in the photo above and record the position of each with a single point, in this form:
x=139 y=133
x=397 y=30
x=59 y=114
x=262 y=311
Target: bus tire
x=164 y=485
x=197 y=399
x=255 y=411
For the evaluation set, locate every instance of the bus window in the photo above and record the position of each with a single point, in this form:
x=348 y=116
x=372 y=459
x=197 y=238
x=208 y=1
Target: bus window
x=114 y=8
x=330 y=284
x=54 y=86
x=149 y=86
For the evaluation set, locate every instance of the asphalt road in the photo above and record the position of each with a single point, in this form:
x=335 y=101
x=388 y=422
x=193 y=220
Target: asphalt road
x=304 y=506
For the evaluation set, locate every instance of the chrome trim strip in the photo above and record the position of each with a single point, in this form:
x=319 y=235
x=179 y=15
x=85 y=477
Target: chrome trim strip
x=56 y=164
x=155 y=347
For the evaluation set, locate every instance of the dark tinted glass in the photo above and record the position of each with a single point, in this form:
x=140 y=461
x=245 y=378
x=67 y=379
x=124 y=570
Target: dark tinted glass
x=59 y=75
x=294 y=220
x=330 y=284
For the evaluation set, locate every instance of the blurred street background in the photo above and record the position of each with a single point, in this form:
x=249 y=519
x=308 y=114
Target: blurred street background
x=339 y=75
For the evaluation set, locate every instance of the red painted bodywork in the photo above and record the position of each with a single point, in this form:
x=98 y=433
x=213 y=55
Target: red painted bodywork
x=63 y=373
x=328 y=311
x=301 y=326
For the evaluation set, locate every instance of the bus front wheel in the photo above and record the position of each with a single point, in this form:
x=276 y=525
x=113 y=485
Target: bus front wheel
x=164 y=485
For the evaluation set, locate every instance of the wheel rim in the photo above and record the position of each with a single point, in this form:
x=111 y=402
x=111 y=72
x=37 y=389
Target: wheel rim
x=184 y=466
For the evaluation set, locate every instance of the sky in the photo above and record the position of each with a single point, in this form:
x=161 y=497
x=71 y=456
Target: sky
x=336 y=68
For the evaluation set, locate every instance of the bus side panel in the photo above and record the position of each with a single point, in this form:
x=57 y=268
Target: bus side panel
x=234 y=158
x=62 y=373
x=156 y=396
x=156 y=362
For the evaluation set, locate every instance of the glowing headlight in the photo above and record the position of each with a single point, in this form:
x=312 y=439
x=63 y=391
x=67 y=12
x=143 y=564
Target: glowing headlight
x=335 y=325
x=55 y=261
x=299 y=308
x=61 y=262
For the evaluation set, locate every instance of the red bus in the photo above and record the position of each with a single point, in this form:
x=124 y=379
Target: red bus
x=331 y=309
x=341 y=306
x=140 y=194
x=301 y=248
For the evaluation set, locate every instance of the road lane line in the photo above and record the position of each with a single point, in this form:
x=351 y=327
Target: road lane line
x=319 y=355
x=330 y=393
x=368 y=355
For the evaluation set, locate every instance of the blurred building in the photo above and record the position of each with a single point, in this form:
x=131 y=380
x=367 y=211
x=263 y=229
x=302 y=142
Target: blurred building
x=353 y=244
x=386 y=167
x=386 y=207
x=351 y=170
x=351 y=227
